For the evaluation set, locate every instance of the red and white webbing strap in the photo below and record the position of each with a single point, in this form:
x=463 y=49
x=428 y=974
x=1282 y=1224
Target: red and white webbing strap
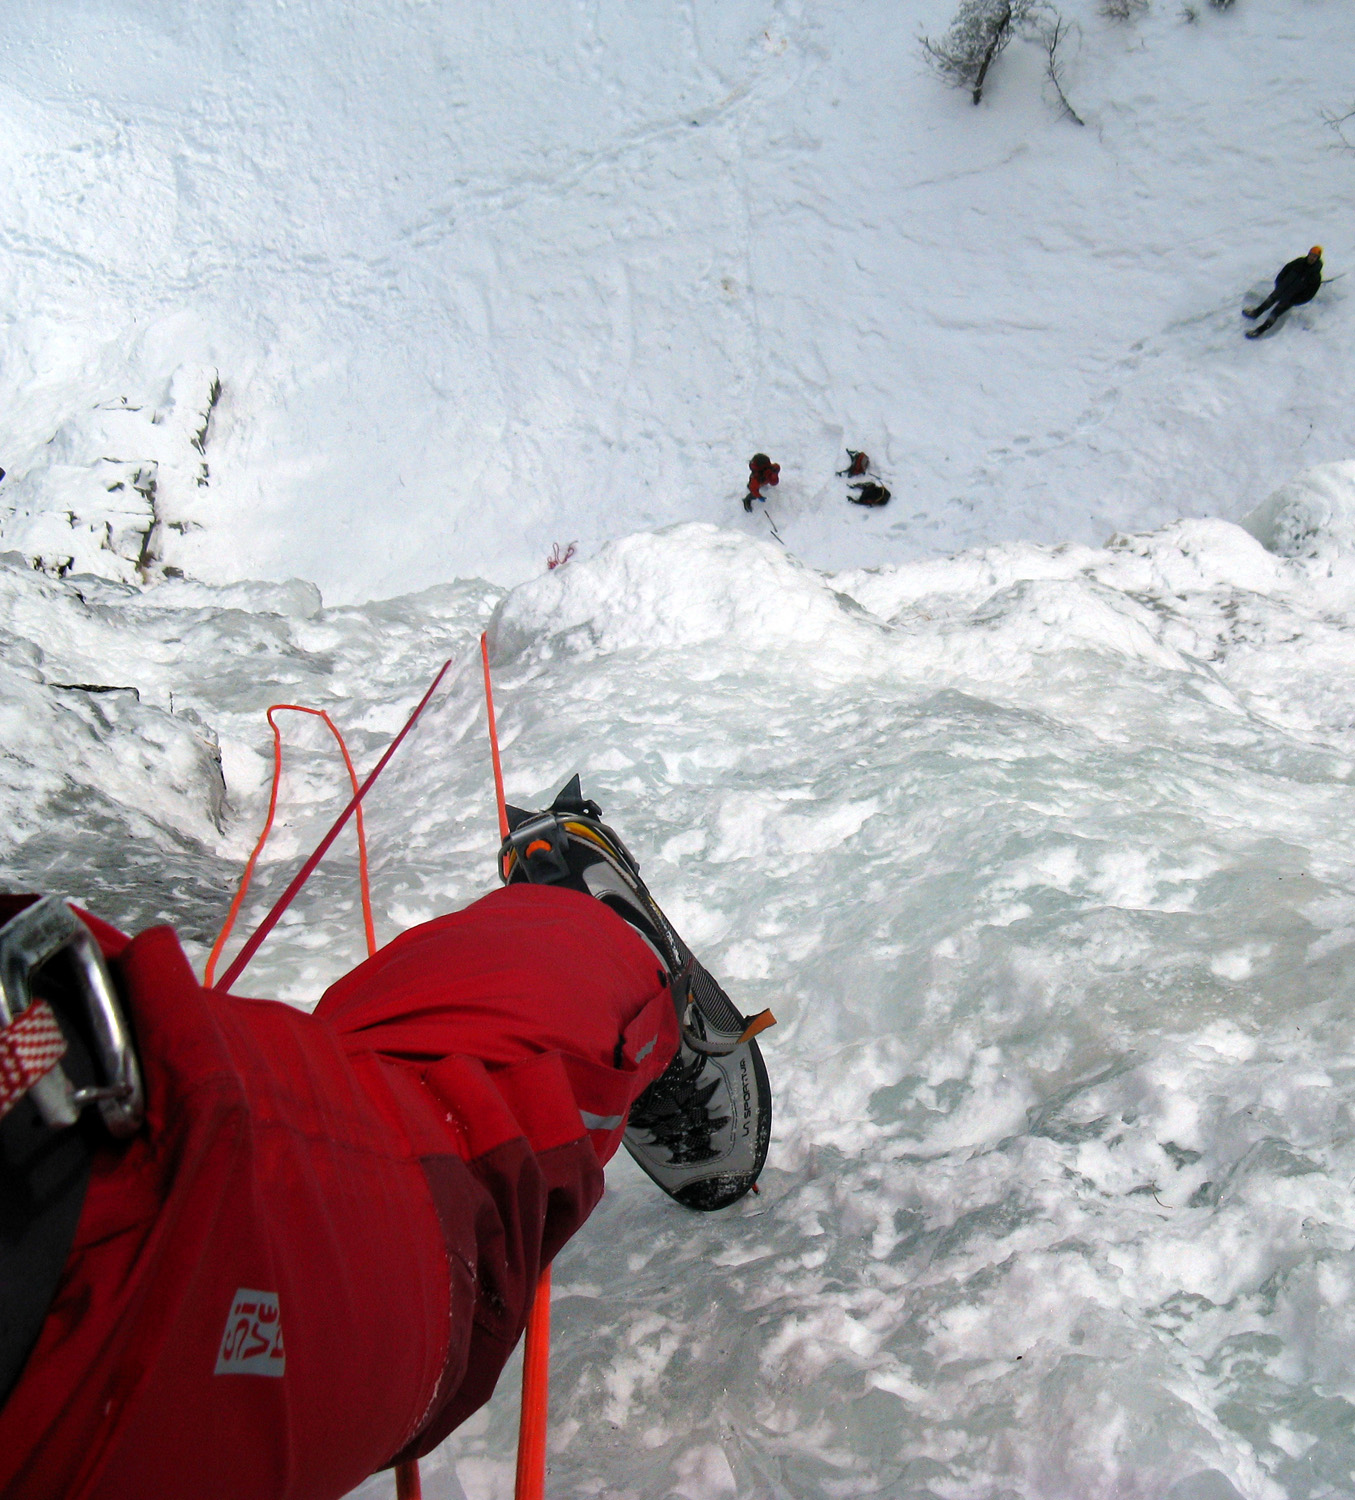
x=30 y=1047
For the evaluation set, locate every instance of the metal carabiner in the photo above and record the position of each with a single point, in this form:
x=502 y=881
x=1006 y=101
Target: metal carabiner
x=34 y=937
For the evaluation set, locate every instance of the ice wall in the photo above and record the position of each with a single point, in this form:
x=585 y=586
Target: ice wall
x=1041 y=855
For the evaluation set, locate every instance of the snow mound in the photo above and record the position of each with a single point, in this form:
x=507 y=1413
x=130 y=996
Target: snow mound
x=296 y=597
x=1184 y=557
x=985 y=620
x=1312 y=517
x=686 y=586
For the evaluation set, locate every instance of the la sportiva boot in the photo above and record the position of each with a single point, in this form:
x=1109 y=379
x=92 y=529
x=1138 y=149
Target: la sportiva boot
x=700 y=1130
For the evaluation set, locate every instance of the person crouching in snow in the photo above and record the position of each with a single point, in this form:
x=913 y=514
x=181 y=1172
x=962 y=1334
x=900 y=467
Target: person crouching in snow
x=761 y=471
x=1297 y=282
x=868 y=491
x=299 y=1248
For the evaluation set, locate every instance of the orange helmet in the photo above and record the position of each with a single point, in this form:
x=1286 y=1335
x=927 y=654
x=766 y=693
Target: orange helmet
x=1315 y=252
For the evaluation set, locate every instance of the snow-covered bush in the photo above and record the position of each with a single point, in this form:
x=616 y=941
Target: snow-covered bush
x=976 y=38
x=119 y=482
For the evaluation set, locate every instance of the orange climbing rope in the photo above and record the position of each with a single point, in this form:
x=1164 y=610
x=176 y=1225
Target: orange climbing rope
x=210 y=972
x=530 y=1483
x=494 y=741
x=531 y=1471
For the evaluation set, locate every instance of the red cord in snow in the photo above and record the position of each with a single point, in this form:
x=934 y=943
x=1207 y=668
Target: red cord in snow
x=253 y=944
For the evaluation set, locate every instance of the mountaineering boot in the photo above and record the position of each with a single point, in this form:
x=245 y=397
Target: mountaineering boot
x=1264 y=305
x=1255 y=333
x=700 y=1130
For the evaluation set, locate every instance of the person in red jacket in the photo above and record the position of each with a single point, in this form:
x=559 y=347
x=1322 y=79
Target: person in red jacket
x=299 y=1248
x=761 y=471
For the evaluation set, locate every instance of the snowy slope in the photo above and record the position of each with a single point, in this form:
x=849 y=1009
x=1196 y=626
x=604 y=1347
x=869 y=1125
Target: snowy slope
x=1041 y=851
x=479 y=279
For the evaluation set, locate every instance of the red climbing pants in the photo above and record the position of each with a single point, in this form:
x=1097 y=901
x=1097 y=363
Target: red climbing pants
x=319 y=1250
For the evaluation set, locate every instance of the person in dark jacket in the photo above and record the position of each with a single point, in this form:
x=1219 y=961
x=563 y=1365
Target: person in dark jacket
x=1297 y=282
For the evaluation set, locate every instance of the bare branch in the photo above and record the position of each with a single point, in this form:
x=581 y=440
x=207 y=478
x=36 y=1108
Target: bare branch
x=1336 y=122
x=1054 y=67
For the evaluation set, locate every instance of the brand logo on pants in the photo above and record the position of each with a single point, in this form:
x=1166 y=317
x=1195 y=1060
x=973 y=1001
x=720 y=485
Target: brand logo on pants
x=252 y=1342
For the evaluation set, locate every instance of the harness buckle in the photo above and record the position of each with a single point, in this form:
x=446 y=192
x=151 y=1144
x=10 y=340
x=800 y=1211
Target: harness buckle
x=38 y=934
x=539 y=843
